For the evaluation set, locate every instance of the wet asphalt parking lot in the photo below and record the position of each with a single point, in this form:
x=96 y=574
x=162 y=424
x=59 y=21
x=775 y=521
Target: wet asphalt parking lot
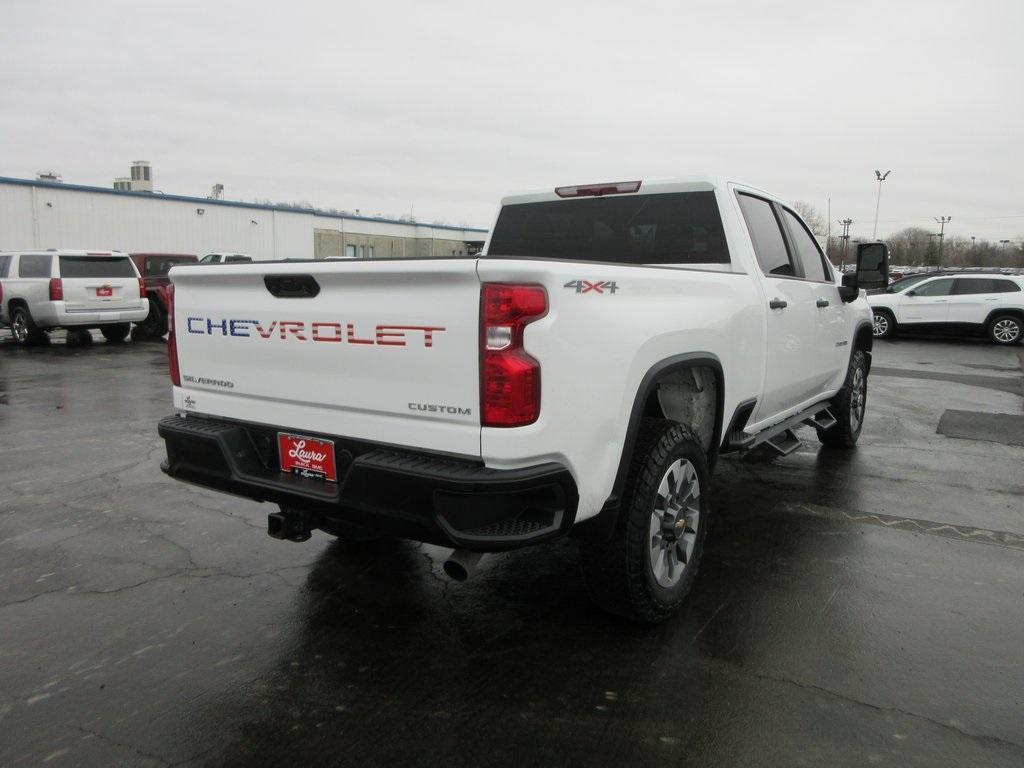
x=861 y=608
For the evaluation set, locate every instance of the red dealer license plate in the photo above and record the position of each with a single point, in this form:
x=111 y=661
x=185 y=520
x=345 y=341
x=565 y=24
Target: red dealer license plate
x=307 y=456
x=105 y=291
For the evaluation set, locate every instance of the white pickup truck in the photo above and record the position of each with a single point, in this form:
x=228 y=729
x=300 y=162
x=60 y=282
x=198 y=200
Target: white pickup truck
x=582 y=376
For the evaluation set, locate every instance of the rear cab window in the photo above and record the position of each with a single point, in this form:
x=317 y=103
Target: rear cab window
x=678 y=228
x=34 y=265
x=96 y=266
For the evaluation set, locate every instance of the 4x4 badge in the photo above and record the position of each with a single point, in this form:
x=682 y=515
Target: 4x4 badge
x=586 y=286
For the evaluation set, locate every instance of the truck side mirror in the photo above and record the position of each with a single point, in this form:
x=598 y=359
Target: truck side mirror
x=849 y=291
x=872 y=265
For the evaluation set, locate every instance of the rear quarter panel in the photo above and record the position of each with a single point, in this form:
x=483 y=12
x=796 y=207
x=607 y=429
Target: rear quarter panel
x=595 y=348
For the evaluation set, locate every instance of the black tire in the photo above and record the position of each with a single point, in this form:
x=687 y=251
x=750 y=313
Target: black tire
x=24 y=329
x=849 y=406
x=155 y=324
x=78 y=337
x=116 y=333
x=1006 y=329
x=620 y=573
x=883 y=324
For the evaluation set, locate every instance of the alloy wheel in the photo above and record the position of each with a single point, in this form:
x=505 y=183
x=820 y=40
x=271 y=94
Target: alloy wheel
x=880 y=325
x=674 y=523
x=1006 y=330
x=858 y=389
x=19 y=327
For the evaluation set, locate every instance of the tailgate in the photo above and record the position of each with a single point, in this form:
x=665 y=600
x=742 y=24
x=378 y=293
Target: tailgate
x=99 y=282
x=386 y=351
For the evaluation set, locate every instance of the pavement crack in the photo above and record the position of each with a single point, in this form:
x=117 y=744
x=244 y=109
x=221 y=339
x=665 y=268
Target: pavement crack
x=125 y=745
x=982 y=738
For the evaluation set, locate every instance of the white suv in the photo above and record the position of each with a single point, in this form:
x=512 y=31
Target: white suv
x=991 y=303
x=76 y=290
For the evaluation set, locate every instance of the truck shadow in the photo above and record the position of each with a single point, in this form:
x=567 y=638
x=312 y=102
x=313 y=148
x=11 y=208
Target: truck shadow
x=392 y=664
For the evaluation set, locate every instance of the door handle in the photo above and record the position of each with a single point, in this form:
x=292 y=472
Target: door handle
x=778 y=304
x=822 y=302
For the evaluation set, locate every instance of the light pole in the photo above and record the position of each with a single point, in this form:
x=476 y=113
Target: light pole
x=846 y=240
x=878 y=201
x=942 y=221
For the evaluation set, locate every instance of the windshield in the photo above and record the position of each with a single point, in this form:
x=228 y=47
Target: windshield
x=96 y=266
x=210 y=258
x=675 y=228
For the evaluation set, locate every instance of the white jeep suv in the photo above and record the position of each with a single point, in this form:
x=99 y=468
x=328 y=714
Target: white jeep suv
x=76 y=290
x=988 y=303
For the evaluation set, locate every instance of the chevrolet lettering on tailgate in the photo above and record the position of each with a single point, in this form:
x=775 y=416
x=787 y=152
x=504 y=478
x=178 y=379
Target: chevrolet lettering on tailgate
x=300 y=330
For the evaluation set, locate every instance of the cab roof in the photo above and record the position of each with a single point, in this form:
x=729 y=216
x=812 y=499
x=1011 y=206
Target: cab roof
x=693 y=183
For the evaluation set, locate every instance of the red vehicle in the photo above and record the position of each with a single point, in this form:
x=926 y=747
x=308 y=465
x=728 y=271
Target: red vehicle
x=154 y=268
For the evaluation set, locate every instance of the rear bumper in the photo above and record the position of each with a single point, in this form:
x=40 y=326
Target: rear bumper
x=427 y=498
x=51 y=314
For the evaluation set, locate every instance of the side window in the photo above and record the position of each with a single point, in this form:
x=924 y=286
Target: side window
x=806 y=249
x=935 y=288
x=34 y=265
x=5 y=263
x=966 y=286
x=769 y=245
x=1001 y=286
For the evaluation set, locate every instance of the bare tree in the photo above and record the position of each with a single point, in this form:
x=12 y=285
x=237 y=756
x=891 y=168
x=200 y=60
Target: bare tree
x=814 y=220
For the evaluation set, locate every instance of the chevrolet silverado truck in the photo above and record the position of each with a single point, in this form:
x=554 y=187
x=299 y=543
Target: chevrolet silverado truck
x=581 y=376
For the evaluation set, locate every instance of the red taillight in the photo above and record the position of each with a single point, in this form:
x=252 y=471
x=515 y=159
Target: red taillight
x=142 y=287
x=509 y=377
x=56 y=289
x=598 y=190
x=172 y=345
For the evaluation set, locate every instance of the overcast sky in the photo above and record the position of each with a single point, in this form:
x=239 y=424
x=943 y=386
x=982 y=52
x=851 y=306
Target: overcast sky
x=440 y=107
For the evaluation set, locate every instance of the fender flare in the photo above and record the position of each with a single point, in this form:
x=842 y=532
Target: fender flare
x=602 y=525
x=1013 y=311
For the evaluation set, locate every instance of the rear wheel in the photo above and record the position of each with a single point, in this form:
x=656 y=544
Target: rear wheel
x=1006 y=329
x=117 y=332
x=883 y=324
x=155 y=324
x=646 y=570
x=24 y=329
x=78 y=337
x=848 y=406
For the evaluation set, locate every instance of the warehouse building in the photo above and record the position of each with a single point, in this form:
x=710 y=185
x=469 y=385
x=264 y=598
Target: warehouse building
x=40 y=213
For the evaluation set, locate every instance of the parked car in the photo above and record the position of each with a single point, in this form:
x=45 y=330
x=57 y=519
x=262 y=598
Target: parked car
x=989 y=304
x=225 y=258
x=154 y=268
x=583 y=376
x=70 y=289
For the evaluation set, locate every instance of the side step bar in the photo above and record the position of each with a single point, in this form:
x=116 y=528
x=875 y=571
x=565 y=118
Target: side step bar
x=780 y=437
